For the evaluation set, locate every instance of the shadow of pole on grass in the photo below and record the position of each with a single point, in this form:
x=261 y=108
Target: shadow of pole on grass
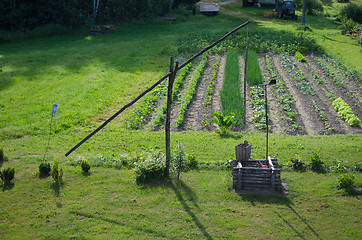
x=187 y=208
x=112 y=221
x=304 y=221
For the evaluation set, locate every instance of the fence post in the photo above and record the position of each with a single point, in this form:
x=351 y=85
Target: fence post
x=171 y=80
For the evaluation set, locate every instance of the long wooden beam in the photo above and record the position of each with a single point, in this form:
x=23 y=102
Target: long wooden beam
x=153 y=86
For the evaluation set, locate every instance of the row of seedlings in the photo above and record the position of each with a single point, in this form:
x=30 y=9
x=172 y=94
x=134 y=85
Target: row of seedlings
x=176 y=89
x=303 y=86
x=142 y=113
x=195 y=78
x=210 y=87
x=300 y=80
x=332 y=75
x=284 y=99
x=254 y=78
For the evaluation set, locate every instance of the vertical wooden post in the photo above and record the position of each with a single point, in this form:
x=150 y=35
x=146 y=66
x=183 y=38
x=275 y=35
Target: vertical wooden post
x=245 y=67
x=171 y=80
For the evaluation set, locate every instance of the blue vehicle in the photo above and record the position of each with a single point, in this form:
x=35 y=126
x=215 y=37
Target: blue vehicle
x=287 y=10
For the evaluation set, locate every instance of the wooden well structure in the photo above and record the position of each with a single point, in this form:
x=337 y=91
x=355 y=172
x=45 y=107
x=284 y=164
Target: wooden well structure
x=249 y=175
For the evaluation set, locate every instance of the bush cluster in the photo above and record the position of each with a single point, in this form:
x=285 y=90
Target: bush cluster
x=85 y=165
x=346 y=181
x=57 y=173
x=7 y=175
x=150 y=168
x=27 y=15
x=317 y=163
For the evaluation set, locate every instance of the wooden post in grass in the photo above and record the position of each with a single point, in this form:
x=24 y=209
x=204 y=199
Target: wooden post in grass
x=245 y=67
x=171 y=80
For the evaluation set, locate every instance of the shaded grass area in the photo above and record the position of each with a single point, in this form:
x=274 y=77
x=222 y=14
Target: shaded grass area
x=108 y=204
x=231 y=100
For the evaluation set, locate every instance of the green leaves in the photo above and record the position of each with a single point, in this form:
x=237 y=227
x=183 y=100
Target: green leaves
x=224 y=122
x=345 y=112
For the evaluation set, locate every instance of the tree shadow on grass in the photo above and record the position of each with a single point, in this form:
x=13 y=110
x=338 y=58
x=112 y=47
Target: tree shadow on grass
x=280 y=200
x=180 y=189
x=119 y=223
x=7 y=186
x=56 y=186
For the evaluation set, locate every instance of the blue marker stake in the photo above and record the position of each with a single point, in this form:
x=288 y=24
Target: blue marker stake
x=54 y=110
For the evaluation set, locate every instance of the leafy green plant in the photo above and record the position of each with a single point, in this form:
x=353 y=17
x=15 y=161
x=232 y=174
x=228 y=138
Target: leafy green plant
x=192 y=162
x=346 y=181
x=44 y=169
x=338 y=166
x=57 y=173
x=7 y=175
x=300 y=56
x=224 y=122
x=151 y=167
x=85 y=165
x=298 y=164
x=258 y=106
x=316 y=162
x=345 y=112
x=179 y=159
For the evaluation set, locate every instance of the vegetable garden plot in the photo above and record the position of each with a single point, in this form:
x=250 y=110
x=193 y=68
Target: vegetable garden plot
x=298 y=104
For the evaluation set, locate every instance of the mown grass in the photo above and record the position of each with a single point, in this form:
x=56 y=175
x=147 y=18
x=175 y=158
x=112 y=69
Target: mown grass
x=90 y=77
x=231 y=100
x=107 y=203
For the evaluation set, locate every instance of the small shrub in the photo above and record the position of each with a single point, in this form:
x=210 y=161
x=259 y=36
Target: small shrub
x=7 y=175
x=297 y=164
x=44 y=169
x=316 y=163
x=338 y=167
x=150 y=168
x=346 y=181
x=357 y=167
x=300 y=56
x=192 y=162
x=57 y=173
x=85 y=165
x=352 y=11
x=179 y=159
x=3 y=157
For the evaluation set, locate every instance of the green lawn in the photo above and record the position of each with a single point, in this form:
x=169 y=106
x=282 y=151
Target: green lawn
x=90 y=78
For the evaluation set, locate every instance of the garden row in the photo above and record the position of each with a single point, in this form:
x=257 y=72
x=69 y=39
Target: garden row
x=312 y=94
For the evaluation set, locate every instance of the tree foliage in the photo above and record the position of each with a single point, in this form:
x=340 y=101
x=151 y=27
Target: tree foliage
x=29 y=14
